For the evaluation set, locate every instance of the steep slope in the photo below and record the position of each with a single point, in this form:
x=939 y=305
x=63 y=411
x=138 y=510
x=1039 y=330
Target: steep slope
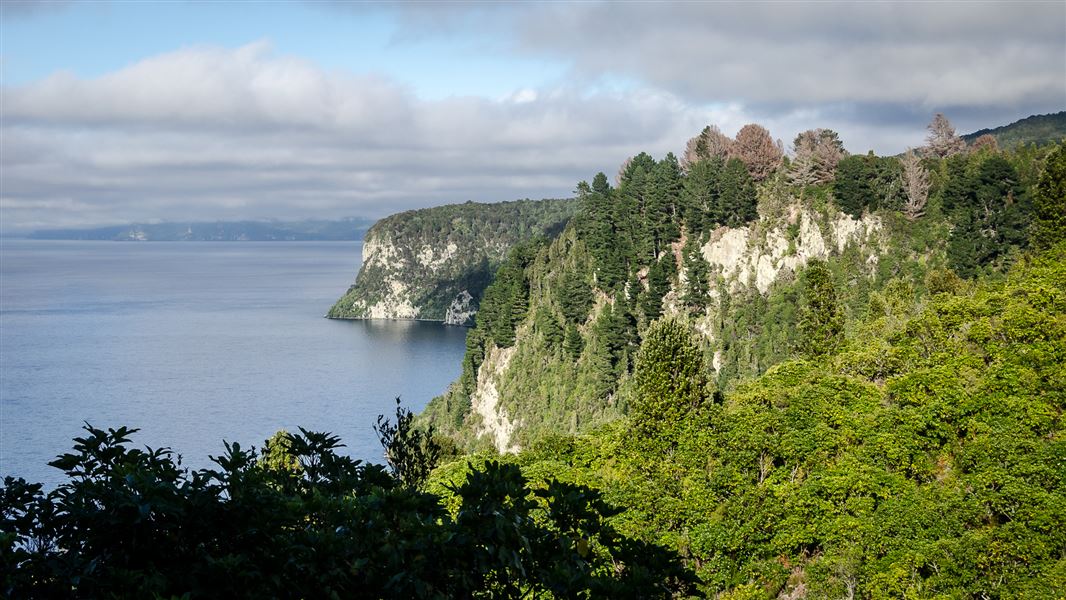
x=553 y=348
x=922 y=458
x=434 y=264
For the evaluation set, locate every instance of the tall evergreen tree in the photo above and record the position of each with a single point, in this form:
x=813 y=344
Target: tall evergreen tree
x=670 y=377
x=853 y=187
x=701 y=209
x=821 y=317
x=1049 y=204
x=696 y=273
x=738 y=198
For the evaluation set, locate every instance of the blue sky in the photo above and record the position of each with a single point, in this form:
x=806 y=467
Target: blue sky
x=115 y=112
x=91 y=39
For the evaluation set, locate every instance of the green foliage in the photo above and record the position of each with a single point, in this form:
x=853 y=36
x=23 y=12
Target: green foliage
x=1036 y=130
x=821 y=319
x=1049 y=202
x=482 y=236
x=920 y=459
x=737 y=195
x=697 y=272
x=132 y=523
x=411 y=453
x=669 y=377
x=990 y=210
x=868 y=182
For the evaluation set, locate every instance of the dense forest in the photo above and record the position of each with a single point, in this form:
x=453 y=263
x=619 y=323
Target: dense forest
x=734 y=374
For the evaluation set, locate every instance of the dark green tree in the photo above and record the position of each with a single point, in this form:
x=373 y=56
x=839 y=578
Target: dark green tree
x=737 y=199
x=669 y=375
x=697 y=272
x=575 y=297
x=701 y=209
x=660 y=276
x=573 y=344
x=1049 y=202
x=853 y=187
x=821 y=318
x=410 y=452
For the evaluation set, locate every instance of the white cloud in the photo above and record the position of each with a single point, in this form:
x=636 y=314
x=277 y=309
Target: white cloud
x=208 y=132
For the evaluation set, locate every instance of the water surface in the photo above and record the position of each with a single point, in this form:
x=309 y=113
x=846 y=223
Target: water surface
x=197 y=342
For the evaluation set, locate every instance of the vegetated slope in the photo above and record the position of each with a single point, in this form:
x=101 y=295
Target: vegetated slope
x=222 y=231
x=923 y=457
x=554 y=343
x=301 y=520
x=434 y=263
x=1037 y=129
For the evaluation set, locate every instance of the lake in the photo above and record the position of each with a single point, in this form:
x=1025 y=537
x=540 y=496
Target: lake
x=197 y=342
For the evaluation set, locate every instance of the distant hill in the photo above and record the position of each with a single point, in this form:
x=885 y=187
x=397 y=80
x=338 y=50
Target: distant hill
x=433 y=264
x=1037 y=129
x=351 y=228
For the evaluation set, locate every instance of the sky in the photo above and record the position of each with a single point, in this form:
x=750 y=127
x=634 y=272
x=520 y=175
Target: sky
x=118 y=112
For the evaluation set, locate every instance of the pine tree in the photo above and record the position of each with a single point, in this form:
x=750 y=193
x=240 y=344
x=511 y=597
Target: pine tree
x=821 y=317
x=573 y=344
x=701 y=210
x=669 y=375
x=738 y=198
x=853 y=186
x=696 y=273
x=1049 y=227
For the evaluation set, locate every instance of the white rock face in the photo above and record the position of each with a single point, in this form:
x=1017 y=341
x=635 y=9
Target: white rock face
x=428 y=257
x=486 y=398
x=744 y=259
x=396 y=306
x=382 y=253
x=461 y=311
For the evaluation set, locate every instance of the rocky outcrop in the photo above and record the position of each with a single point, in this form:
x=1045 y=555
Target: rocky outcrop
x=756 y=255
x=743 y=260
x=433 y=264
x=485 y=403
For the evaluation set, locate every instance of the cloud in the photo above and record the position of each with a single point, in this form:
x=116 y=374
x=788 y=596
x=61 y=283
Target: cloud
x=936 y=54
x=14 y=9
x=209 y=132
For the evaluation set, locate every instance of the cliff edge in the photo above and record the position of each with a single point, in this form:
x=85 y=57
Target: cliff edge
x=434 y=264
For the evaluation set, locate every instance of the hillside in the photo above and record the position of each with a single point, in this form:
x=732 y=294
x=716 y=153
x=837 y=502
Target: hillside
x=433 y=264
x=1037 y=129
x=922 y=458
x=724 y=244
x=221 y=231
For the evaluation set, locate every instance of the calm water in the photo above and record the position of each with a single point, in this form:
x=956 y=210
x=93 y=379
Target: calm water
x=195 y=343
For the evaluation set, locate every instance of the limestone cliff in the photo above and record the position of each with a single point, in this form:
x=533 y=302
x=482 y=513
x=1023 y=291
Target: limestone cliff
x=433 y=264
x=515 y=394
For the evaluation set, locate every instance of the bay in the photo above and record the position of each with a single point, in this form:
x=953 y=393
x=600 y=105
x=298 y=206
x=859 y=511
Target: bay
x=196 y=342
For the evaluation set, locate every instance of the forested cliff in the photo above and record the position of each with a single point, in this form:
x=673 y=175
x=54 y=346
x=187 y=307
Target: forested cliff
x=433 y=264
x=724 y=240
x=840 y=376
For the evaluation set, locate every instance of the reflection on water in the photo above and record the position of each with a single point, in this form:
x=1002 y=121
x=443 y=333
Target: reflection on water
x=195 y=343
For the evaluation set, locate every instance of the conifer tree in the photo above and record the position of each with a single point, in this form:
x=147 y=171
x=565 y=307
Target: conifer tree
x=670 y=377
x=659 y=276
x=853 y=186
x=738 y=198
x=1049 y=206
x=821 y=317
x=700 y=195
x=696 y=273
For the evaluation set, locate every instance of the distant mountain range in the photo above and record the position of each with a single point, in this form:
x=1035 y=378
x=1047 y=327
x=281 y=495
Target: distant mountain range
x=1037 y=129
x=348 y=229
